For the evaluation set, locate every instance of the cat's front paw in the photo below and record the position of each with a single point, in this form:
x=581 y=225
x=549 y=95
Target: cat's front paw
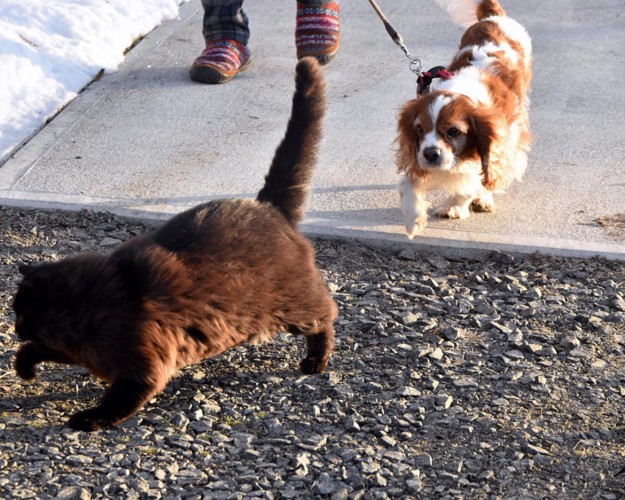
x=312 y=365
x=89 y=420
x=24 y=366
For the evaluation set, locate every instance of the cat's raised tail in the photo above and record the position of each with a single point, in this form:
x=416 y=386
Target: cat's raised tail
x=286 y=184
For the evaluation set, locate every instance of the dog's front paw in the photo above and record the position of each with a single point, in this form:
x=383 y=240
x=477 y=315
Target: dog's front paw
x=89 y=420
x=24 y=366
x=413 y=206
x=483 y=204
x=452 y=212
x=415 y=227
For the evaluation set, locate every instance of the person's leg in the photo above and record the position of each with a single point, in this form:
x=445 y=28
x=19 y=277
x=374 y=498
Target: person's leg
x=317 y=31
x=225 y=20
x=226 y=31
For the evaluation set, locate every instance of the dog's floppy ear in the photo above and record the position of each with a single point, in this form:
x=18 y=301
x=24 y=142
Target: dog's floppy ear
x=484 y=125
x=408 y=140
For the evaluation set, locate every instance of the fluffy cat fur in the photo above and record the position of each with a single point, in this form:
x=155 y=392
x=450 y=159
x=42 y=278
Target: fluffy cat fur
x=218 y=275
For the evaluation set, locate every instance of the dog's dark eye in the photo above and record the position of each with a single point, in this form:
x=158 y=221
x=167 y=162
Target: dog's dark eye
x=453 y=132
x=419 y=130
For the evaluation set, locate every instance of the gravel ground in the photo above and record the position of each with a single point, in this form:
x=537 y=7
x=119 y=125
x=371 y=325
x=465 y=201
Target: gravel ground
x=502 y=378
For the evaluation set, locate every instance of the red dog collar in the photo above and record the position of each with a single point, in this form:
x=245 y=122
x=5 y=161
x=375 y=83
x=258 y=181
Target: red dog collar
x=425 y=79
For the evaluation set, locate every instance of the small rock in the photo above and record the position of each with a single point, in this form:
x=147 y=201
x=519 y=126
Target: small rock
x=274 y=427
x=218 y=485
x=414 y=485
x=547 y=352
x=404 y=347
x=341 y=493
x=619 y=303
x=388 y=441
x=79 y=460
x=408 y=391
x=324 y=485
x=243 y=440
x=569 y=342
x=351 y=424
x=196 y=415
x=501 y=328
x=501 y=257
x=444 y=400
x=580 y=352
x=465 y=382
x=599 y=364
x=410 y=318
x=455 y=467
x=437 y=354
x=595 y=476
x=395 y=456
x=374 y=387
x=515 y=354
x=369 y=466
x=202 y=426
x=180 y=420
x=452 y=333
x=438 y=261
x=251 y=454
x=74 y=493
x=432 y=383
x=513 y=376
x=516 y=339
x=533 y=449
x=487 y=475
x=301 y=463
x=314 y=442
x=408 y=254
x=534 y=348
x=344 y=391
x=378 y=480
x=109 y=242
x=424 y=351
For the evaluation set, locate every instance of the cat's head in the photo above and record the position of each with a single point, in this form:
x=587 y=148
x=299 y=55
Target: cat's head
x=46 y=303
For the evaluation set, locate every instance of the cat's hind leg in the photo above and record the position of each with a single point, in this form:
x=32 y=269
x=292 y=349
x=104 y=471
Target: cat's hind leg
x=33 y=353
x=314 y=319
x=122 y=400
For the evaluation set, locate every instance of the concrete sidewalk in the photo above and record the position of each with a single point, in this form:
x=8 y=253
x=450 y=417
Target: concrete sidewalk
x=147 y=141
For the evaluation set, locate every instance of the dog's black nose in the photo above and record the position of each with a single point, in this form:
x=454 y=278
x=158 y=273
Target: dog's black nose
x=432 y=154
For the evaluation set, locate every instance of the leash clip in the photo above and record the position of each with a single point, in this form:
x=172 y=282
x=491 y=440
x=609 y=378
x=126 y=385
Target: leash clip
x=415 y=65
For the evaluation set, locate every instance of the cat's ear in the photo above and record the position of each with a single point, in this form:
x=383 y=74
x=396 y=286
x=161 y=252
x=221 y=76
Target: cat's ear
x=26 y=270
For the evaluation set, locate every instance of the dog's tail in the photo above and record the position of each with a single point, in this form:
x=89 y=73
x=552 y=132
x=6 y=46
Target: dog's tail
x=286 y=184
x=468 y=12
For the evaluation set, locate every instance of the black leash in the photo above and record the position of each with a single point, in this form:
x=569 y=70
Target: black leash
x=424 y=78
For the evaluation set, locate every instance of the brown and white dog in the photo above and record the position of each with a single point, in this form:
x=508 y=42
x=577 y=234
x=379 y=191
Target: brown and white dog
x=470 y=135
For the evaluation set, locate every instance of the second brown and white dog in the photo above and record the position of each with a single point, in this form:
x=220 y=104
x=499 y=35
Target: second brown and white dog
x=470 y=135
